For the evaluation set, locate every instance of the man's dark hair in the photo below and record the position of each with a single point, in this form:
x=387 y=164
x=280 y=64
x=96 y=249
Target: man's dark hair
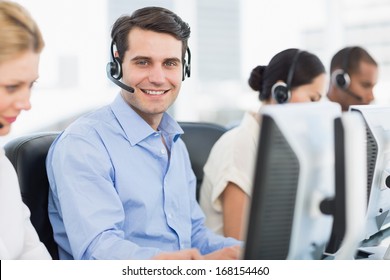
x=348 y=59
x=155 y=19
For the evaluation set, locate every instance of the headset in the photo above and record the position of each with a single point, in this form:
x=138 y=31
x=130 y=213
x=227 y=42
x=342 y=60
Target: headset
x=281 y=91
x=341 y=78
x=114 y=69
x=187 y=65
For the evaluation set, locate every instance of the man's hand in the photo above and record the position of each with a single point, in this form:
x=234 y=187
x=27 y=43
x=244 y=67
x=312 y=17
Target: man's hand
x=229 y=253
x=189 y=254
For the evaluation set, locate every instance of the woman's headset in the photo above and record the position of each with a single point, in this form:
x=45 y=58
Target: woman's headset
x=281 y=91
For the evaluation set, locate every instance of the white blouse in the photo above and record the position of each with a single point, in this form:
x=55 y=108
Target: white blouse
x=18 y=238
x=232 y=159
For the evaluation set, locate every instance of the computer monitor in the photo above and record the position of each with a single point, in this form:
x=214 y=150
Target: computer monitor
x=377 y=120
x=291 y=211
x=349 y=204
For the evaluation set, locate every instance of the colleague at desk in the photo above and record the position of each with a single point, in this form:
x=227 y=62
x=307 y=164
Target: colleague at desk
x=21 y=43
x=121 y=183
x=354 y=73
x=292 y=75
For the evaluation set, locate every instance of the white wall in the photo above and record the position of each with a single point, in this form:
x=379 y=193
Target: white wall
x=72 y=73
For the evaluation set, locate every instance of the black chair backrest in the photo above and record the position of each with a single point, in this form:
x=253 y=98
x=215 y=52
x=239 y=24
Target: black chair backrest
x=28 y=155
x=199 y=138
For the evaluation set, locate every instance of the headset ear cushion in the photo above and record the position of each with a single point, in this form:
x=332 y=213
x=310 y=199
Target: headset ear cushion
x=341 y=79
x=116 y=68
x=112 y=68
x=280 y=92
x=186 y=71
x=187 y=65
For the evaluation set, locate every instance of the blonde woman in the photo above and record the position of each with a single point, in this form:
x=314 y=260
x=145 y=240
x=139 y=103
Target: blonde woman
x=20 y=46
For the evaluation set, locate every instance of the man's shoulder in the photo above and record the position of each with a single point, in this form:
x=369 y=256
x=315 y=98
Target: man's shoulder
x=90 y=119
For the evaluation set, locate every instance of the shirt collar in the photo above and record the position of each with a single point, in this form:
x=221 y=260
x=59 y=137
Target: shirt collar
x=135 y=128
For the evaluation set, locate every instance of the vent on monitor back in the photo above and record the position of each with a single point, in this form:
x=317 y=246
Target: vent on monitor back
x=372 y=154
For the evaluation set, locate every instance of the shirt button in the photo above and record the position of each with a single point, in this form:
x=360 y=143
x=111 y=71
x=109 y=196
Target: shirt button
x=170 y=216
x=163 y=151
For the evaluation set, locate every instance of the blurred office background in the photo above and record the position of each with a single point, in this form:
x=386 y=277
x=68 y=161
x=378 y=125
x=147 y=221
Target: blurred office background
x=229 y=38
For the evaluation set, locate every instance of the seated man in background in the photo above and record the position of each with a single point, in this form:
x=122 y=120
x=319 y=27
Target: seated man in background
x=121 y=183
x=354 y=73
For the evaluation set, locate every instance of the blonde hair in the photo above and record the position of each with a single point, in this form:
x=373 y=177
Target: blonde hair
x=18 y=31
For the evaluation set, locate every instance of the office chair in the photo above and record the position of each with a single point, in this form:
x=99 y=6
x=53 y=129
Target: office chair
x=199 y=138
x=28 y=155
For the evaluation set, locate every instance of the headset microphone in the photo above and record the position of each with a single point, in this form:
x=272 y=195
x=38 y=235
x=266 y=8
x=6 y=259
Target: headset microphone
x=341 y=78
x=115 y=80
x=114 y=71
x=351 y=93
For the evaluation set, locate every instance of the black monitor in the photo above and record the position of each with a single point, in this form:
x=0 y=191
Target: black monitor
x=292 y=207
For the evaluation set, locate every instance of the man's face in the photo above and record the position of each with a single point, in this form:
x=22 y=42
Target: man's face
x=362 y=84
x=152 y=65
x=363 y=81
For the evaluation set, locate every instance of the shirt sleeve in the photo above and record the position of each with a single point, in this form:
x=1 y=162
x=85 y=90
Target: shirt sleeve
x=82 y=183
x=231 y=160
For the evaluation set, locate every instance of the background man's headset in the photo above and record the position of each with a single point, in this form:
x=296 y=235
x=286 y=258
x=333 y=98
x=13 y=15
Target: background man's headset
x=341 y=78
x=114 y=69
x=281 y=91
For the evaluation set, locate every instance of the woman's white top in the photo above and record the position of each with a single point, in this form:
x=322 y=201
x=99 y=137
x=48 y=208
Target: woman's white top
x=18 y=237
x=232 y=159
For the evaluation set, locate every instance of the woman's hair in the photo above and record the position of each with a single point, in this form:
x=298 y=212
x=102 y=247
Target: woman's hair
x=155 y=19
x=18 y=31
x=307 y=67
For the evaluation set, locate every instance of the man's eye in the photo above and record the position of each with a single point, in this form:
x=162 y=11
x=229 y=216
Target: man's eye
x=171 y=63
x=12 y=88
x=142 y=62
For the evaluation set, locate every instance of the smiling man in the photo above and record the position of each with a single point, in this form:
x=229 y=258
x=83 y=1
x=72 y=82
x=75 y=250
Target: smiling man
x=121 y=183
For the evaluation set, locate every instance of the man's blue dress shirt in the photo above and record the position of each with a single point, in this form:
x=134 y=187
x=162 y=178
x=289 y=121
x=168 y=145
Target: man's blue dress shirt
x=116 y=193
